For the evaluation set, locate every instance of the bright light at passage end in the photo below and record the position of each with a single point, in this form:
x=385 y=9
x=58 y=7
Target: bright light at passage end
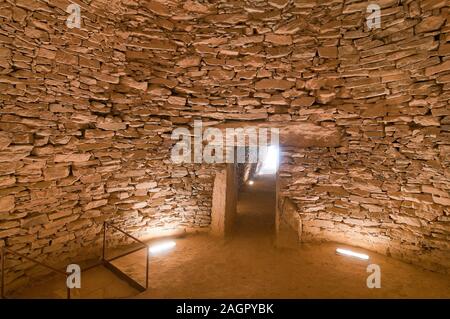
x=270 y=163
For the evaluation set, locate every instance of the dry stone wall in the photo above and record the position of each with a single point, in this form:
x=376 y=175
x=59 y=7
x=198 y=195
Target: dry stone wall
x=86 y=116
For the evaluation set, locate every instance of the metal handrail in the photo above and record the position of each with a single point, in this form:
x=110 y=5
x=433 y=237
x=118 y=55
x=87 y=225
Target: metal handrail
x=6 y=250
x=105 y=226
x=125 y=233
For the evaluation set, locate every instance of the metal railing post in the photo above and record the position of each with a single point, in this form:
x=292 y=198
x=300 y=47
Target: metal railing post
x=4 y=251
x=107 y=262
x=3 y=256
x=104 y=241
x=146 y=267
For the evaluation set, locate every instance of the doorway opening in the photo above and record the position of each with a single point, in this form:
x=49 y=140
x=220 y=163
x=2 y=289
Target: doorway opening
x=244 y=197
x=256 y=201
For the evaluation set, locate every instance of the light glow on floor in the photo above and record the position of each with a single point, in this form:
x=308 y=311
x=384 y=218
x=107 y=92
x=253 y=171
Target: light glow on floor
x=162 y=246
x=346 y=252
x=251 y=183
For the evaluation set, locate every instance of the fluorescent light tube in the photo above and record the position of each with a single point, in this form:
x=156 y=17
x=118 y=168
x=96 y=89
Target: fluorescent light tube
x=346 y=252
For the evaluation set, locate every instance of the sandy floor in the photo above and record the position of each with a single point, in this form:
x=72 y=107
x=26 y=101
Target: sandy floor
x=96 y=283
x=247 y=265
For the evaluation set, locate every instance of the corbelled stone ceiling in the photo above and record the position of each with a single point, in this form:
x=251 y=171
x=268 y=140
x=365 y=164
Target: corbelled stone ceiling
x=86 y=117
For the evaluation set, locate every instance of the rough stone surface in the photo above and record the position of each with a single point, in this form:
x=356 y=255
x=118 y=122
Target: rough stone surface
x=86 y=117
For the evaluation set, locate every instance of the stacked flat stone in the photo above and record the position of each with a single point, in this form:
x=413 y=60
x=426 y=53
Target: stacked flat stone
x=86 y=117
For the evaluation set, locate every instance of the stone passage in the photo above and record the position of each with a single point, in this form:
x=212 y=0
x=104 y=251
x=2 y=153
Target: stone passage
x=86 y=117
